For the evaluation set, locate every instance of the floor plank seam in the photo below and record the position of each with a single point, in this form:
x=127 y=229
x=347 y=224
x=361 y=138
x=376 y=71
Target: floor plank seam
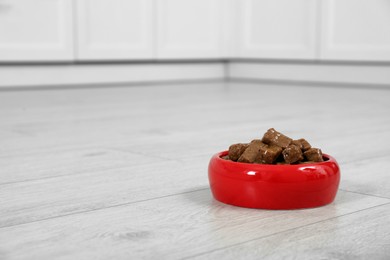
x=366 y=194
x=46 y=149
x=143 y=154
x=104 y=208
x=366 y=158
x=281 y=232
x=64 y=175
x=310 y=83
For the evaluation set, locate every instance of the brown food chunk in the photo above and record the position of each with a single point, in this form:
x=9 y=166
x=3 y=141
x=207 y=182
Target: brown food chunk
x=274 y=137
x=236 y=150
x=314 y=154
x=292 y=154
x=268 y=154
x=302 y=143
x=226 y=157
x=282 y=163
x=297 y=143
x=251 y=152
x=307 y=162
x=274 y=148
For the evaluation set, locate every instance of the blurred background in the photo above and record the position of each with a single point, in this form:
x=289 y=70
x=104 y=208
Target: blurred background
x=345 y=41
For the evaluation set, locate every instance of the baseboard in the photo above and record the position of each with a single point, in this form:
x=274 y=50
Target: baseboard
x=49 y=75
x=81 y=74
x=334 y=73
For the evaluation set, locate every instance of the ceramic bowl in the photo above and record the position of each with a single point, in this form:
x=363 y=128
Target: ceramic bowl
x=267 y=186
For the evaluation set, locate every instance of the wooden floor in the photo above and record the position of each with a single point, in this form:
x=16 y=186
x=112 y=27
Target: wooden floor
x=121 y=172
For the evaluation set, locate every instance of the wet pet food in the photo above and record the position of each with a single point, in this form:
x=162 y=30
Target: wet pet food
x=274 y=148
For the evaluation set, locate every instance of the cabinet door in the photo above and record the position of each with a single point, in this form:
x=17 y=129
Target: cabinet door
x=39 y=30
x=356 y=30
x=190 y=28
x=115 y=29
x=277 y=29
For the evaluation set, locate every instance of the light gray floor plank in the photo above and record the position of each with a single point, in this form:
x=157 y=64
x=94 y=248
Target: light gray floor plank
x=172 y=227
x=361 y=235
x=28 y=201
x=85 y=152
x=210 y=107
x=73 y=161
x=368 y=176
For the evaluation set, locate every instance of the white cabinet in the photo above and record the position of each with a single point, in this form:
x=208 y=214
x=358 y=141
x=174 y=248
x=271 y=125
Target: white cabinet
x=68 y=30
x=39 y=30
x=282 y=29
x=190 y=28
x=356 y=30
x=115 y=29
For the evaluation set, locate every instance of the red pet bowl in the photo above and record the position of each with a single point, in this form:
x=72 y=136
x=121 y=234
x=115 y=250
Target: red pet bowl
x=268 y=186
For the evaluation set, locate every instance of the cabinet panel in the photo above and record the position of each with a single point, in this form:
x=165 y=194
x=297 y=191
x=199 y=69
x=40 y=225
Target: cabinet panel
x=115 y=29
x=356 y=30
x=38 y=30
x=190 y=28
x=277 y=29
